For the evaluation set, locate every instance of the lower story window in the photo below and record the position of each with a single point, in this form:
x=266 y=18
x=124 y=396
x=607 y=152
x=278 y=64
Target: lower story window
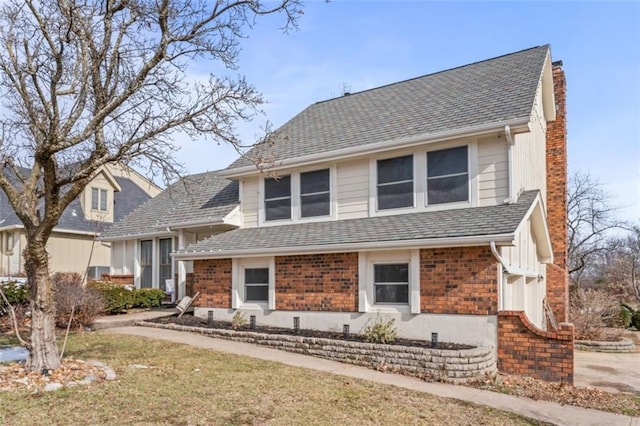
x=256 y=282
x=391 y=283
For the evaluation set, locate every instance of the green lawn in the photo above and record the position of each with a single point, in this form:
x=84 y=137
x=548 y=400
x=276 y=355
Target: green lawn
x=194 y=386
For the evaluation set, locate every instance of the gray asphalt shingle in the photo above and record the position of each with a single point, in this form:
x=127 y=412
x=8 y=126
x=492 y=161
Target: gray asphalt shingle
x=467 y=222
x=72 y=219
x=490 y=91
x=195 y=198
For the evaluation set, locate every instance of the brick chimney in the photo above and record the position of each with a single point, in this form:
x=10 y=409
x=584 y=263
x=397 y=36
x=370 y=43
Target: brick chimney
x=557 y=274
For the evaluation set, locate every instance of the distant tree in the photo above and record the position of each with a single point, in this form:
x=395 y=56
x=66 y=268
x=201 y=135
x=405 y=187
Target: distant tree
x=85 y=83
x=623 y=268
x=591 y=218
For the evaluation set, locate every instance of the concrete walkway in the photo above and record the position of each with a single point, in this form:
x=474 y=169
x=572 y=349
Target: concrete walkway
x=540 y=410
x=130 y=318
x=612 y=372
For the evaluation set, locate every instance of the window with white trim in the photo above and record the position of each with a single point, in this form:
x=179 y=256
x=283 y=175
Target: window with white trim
x=395 y=182
x=448 y=175
x=391 y=283
x=256 y=284
x=315 y=193
x=99 y=199
x=277 y=198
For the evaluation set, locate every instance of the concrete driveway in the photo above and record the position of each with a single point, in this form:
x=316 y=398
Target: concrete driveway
x=613 y=372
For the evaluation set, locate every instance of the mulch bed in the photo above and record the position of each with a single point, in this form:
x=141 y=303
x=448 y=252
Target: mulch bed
x=190 y=320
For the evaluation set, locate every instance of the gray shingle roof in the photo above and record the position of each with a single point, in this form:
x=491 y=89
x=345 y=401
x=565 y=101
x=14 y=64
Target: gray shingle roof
x=467 y=222
x=127 y=199
x=195 y=198
x=491 y=91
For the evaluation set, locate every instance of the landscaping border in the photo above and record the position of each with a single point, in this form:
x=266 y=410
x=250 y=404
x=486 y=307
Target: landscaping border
x=450 y=366
x=623 y=345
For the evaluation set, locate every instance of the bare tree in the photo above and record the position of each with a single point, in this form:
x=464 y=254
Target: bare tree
x=623 y=267
x=591 y=218
x=85 y=83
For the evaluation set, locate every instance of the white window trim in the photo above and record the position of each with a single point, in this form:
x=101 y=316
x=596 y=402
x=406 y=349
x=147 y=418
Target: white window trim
x=237 y=282
x=296 y=213
x=106 y=196
x=420 y=179
x=366 y=296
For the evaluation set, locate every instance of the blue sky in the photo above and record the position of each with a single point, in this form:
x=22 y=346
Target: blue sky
x=358 y=45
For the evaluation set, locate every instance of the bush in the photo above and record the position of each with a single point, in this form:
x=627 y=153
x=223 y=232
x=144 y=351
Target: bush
x=239 y=320
x=17 y=294
x=381 y=331
x=148 y=298
x=590 y=311
x=70 y=295
x=119 y=298
x=625 y=316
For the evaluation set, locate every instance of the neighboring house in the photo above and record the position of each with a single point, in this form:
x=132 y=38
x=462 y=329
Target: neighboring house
x=438 y=201
x=113 y=193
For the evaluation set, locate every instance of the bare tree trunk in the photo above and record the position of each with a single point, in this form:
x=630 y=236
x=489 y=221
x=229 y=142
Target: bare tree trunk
x=44 y=350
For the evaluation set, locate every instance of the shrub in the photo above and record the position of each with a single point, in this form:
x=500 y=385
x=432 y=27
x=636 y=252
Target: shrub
x=239 y=320
x=380 y=331
x=17 y=293
x=148 y=298
x=625 y=316
x=119 y=298
x=590 y=311
x=69 y=294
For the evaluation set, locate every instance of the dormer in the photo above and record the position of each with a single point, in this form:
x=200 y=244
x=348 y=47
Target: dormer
x=97 y=199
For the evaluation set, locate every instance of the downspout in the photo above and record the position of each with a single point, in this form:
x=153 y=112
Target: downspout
x=510 y=144
x=505 y=271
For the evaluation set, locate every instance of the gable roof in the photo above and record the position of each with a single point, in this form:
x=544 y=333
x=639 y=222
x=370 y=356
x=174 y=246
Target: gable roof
x=127 y=198
x=195 y=199
x=463 y=225
x=494 y=91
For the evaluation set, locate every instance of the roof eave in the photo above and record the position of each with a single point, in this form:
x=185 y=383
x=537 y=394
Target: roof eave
x=517 y=125
x=504 y=239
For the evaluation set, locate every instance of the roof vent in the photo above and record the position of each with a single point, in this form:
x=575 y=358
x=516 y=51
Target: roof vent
x=346 y=93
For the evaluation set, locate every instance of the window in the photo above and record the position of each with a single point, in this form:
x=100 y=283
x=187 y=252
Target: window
x=146 y=260
x=277 y=198
x=447 y=176
x=395 y=182
x=99 y=199
x=165 y=261
x=315 y=193
x=391 y=283
x=256 y=282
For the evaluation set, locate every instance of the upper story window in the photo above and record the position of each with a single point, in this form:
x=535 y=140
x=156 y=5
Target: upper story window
x=395 y=182
x=447 y=175
x=277 y=198
x=99 y=199
x=315 y=196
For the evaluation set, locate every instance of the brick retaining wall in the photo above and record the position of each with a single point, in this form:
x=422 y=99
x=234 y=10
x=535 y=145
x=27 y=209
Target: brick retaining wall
x=451 y=366
x=525 y=350
x=118 y=279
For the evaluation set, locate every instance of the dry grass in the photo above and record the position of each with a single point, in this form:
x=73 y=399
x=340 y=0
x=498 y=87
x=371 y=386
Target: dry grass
x=193 y=386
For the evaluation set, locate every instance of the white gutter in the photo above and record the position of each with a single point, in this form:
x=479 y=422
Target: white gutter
x=135 y=236
x=510 y=174
x=340 y=248
x=520 y=124
x=507 y=269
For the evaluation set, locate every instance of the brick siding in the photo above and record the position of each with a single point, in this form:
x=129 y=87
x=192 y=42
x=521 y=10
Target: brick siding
x=525 y=350
x=557 y=276
x=459 y=280
x=212 y=278
x=317 y=282
x=118 y=279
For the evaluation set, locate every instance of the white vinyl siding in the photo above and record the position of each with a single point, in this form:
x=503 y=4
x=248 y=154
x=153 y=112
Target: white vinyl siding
x=353 y=189
x=250 y=201
x=493 y=171
x=530 y=154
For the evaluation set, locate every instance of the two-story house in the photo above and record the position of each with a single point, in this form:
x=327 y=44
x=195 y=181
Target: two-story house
x=437 y=201
x=113 y=193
